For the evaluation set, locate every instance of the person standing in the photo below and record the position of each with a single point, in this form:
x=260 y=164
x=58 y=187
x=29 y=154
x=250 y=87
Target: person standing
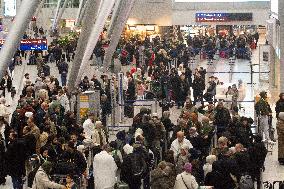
x=6 y=83
x=63 y=71
x=42 y=181
x=105 y=169
x=279 y=105
x=280 y=133
x=186 y=180
x=263 y=111
x=15 y=164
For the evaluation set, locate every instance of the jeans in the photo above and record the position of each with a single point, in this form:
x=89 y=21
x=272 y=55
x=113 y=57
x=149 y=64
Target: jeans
x=17 y=182
x=99 y=61
x=263 y=126
x=63 y=79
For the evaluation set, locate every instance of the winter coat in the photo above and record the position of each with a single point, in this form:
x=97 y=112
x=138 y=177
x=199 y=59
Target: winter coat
x=161 y=179
x=185 y=181
x=96 y=137
x=175 y=146
x=104 y=168
x=6 y=83
x=279 y=107
x=64 y=101
x=222 y=117
x=15 y=164
x=42 y=181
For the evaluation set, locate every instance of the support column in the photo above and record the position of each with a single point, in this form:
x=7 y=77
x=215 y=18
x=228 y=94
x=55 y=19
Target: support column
x=119 y=24
x=56 y=15
x=60 y=13
x=81 y=12
x=87 y=23
x=17 y=30
x=97 y=29
x=116 y=10
x=281 y=18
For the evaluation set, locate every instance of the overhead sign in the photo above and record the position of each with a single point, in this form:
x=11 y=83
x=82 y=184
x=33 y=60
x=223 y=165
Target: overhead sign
x=33 y=44
x=30 y=44
x=222 y=17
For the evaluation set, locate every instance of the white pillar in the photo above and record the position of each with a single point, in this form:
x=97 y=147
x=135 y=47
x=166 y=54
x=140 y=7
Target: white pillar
x=97 y=29
x=56 y=15
x=119 y=24
x=16 y=32
x=281 y=18
x=80 y=13
x=87 y=23
x=60 y=13
x=116 y=10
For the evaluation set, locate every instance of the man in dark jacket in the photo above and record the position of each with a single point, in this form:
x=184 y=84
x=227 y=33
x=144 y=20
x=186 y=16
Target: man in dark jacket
x=15 y=164
x=280 y=104
x=63 y=71
x=222 y=118
x=257 y=155
x=198 y=86
x=134 y=167
x=77 y=158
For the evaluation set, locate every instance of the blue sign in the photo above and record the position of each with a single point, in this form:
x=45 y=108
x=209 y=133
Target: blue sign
x=30 y=44
x=33 y=44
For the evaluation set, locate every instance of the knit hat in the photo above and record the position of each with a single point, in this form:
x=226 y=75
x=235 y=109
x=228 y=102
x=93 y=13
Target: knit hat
x=187 y=167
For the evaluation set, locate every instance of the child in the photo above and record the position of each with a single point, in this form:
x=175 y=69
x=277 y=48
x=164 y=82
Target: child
x=70 y=184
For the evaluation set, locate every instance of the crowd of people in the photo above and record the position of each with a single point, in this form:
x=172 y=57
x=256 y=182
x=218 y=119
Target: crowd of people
x=44 y=142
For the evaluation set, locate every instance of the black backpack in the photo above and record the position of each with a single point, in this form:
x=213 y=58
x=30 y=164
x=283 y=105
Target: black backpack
x=138 y=166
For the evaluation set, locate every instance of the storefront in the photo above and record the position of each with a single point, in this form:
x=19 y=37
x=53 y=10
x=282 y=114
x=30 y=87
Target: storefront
x=140 y=31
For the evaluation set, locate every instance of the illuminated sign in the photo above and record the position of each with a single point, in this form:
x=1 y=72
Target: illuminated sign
x=10 y=7
x=222 y=17
x=30 y=44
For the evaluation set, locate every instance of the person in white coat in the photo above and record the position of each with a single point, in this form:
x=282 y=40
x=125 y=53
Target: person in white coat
x=105 y=169
x=186 y=180
x=42 y=181
x=179 y=142
x=89 y=127
x=63 y=100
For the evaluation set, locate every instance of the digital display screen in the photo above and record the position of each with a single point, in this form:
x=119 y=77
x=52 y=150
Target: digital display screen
x=30 y=44
x=222 y=17
x=10 y=7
